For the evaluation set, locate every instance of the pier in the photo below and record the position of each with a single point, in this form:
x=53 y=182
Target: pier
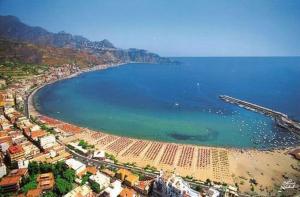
x=282 y=120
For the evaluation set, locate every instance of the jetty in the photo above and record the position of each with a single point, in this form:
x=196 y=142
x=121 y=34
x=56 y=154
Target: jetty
x=282 y=120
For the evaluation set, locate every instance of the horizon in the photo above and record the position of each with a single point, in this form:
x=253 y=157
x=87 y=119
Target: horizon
x=203 y=29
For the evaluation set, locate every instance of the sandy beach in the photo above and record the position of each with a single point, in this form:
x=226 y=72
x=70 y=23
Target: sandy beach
x=229 y=165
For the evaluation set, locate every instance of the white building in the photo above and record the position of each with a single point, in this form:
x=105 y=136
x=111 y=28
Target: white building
x=83 y=191
x=101 y=179
x=76 y=165
x=23 y=164
x=47 y=141
x=76 y=146
x=173 y=186
x=35 y=128
x=2 y=170
x=212 y=192
x=100 y=154
x=177 y=187
x=114 y=189
x=4 y=146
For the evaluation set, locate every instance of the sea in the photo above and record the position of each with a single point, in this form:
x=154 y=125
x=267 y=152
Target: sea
x=180 y=102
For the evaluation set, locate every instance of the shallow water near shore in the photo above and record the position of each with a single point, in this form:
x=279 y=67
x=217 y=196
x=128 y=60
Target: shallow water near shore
x=179 y=103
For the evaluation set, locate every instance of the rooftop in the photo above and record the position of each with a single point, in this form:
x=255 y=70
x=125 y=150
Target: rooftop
x=34 y=192
x=127 y=192
x=10 y=180
x=15 y=149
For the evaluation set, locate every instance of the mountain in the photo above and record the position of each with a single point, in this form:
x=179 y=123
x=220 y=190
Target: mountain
x=12 y=29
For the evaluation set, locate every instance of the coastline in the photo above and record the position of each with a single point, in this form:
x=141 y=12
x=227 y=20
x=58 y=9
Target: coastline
x=201 y=162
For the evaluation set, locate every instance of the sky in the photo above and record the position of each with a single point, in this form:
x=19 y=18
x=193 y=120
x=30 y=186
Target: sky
x=174 y=27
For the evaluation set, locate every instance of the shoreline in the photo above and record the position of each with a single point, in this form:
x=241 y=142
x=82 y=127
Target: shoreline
x=32 y=109
x=200 y=161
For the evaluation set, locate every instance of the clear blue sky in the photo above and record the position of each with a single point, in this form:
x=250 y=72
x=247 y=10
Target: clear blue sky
x=173 y=28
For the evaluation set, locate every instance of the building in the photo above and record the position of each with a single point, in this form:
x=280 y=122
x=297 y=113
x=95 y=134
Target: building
x=23 y=163
x=176 y=186
x=172 y=185
x=81 y=191
x=99 y=155
x=131 y=180
x=76 y=165
x=47 y=141
x=127 y=192
x=34 y=193
x=16 y=153
x=211 y=192
x=2 y=169
x=113 y=190
x=122 y=174
x=10 y=183
x=46 y=181
x=92 y=170
x=78 y=148
x=36 y=134
x=22 y=172
x=101 y=179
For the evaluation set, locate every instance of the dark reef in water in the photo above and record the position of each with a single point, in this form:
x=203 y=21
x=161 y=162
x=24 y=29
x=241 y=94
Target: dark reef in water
x=209 y=135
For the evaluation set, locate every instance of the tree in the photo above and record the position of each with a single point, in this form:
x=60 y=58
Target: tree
x=45 y=167
x=58 y=168
x=29 y=186
x=62 y=186
x=69 y=175
x=198 y=188
x=34 y=168
x=95 y=187
x=208 y=181
x=49 y=194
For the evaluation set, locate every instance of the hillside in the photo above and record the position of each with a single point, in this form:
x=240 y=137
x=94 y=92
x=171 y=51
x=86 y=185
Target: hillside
x=37 y=45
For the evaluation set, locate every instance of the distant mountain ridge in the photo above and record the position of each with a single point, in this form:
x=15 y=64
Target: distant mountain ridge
x=12 y=29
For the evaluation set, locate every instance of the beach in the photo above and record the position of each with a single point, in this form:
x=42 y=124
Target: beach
x=200 y=162
x=228 y=165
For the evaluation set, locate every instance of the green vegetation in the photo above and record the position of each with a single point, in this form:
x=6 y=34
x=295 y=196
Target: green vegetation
x=95 y=187
x=49 y=194
x=10 y=70
x=62 y=186
x=111 y=157
x=150 y=168
x=85 y=178
x=64 y=177
x=189 y=177
x=130 y=164
x=30 y=185
x=85 y=145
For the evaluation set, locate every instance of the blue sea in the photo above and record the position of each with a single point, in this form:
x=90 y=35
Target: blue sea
x=180 y=102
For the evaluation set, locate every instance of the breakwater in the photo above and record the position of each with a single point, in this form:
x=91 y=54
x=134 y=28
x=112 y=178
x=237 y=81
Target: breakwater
x=282 y=120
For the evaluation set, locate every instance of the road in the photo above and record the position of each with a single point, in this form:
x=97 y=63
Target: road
x=98 y=163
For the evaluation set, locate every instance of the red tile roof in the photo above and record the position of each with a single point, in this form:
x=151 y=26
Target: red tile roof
x=15 y=149
x=91 y=169
x=39 y=133
x=10 y=180
x=34 y=192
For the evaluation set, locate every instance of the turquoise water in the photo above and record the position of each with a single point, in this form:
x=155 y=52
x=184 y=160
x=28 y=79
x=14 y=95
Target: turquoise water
x=179 y=103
